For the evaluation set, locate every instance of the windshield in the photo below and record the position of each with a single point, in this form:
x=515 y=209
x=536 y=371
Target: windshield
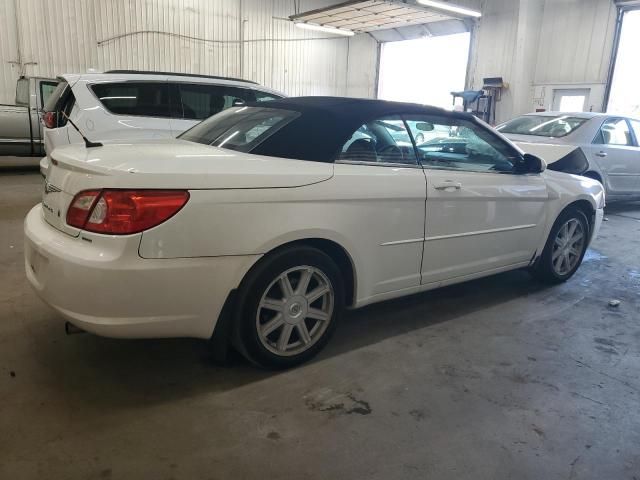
x=241 y=129
x=542 y=125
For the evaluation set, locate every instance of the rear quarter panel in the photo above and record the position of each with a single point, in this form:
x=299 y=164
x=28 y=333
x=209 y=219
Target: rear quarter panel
x=357 y=215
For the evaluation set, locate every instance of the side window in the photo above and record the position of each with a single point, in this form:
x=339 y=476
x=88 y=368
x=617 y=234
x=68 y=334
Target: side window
x=46 y=89
x=614 y=131
x=458 y=144
x=264 y=97
x=147 y=99
x=635 y=125
x=385 y=140
x=200 y=101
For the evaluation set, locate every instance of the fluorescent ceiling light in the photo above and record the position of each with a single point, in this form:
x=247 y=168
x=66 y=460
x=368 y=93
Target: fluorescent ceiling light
x=450 y=8
x=322 y=28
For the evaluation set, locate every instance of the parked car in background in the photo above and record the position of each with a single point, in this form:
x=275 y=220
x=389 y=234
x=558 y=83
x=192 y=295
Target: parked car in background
x=128 y=104
x=248 y=227
x=20 y=127
x=608 y=145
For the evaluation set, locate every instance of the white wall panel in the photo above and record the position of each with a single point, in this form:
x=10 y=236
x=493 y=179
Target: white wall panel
x=575 y=41
x=540 y=45
x=242 y=38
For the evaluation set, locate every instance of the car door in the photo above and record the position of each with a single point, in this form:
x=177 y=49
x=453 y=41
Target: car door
x=380 y=190
x=616 y=152
x=481 y=214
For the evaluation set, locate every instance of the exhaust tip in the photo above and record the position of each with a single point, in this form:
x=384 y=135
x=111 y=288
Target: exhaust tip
x=71 y=329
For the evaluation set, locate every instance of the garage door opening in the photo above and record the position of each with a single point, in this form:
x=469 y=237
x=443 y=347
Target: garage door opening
x=624 y=98
x=424 y=70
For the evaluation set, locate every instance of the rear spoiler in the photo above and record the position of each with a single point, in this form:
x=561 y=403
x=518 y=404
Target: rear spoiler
x=561 y=158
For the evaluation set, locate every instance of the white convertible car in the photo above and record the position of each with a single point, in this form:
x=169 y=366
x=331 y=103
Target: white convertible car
x=258 y=226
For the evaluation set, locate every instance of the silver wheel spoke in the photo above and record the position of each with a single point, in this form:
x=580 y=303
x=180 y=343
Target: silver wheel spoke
x=317 y=293
x=317 y=314
x=572 y=228
x=272 y=325
x=556 y=254
x=272 y=304
x=305 y=278
x=576 y=238
x=303 y=332
x=285 y=284
x=574 y=251
x=285 y=335
x=557 y=263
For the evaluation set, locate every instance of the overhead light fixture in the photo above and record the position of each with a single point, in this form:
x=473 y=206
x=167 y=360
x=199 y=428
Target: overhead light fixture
x=450 y=8
x=322 y=28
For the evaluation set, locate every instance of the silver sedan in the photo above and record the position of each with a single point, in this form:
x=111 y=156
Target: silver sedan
x=609 y=144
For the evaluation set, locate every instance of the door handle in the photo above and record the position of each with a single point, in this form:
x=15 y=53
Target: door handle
x=601 y=154
x=446 y=185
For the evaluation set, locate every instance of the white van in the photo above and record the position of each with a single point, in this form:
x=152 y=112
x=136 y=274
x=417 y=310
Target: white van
x=130 y=104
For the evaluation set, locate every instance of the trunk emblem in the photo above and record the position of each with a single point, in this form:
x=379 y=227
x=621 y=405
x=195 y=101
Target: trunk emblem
x=49 y=188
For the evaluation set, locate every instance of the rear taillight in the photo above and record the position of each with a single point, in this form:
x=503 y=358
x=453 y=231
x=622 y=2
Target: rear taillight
x=122 y=212
x=49 y=119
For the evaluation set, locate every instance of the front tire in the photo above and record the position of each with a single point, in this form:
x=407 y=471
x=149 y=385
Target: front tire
x=288 y=307
x=565 y=247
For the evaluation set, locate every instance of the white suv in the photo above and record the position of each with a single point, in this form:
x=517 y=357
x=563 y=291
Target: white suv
x=128 y=104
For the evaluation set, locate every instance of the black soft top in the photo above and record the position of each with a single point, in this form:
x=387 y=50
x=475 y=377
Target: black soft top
x=326 y=123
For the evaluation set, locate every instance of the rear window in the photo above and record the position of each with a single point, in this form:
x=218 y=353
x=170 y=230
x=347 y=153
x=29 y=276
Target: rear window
x=55 y=97
x=147 y=99
x=46 y=89
x=57 y=100
x=542 y=125
x=240 y=128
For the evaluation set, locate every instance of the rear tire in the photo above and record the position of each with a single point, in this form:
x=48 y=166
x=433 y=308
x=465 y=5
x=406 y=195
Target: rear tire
x=288 y=307
x=565 y=248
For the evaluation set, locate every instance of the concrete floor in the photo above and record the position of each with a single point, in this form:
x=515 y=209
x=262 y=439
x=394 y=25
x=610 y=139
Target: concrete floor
x=495 y=379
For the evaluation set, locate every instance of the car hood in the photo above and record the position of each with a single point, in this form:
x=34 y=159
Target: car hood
x=182 y=164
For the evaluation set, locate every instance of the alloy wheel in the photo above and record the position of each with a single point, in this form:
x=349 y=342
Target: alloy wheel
x=295 y=310
x=568 y=246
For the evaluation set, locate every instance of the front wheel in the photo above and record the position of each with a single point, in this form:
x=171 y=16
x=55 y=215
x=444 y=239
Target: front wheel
x=289 y=306
x=565 y=248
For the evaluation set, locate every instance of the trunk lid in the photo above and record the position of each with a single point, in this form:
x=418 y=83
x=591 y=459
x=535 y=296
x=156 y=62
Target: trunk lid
x=171 y=164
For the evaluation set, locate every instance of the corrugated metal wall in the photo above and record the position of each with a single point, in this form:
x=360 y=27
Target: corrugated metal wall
x=575 y=41
x=244 y=38
x=540 y=45
x=533 y=44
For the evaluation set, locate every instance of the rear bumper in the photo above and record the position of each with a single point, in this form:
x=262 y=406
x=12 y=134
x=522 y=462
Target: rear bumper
x=108 y=289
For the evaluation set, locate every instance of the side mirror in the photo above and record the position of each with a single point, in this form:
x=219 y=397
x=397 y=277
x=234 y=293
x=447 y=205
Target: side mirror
x=533 y=164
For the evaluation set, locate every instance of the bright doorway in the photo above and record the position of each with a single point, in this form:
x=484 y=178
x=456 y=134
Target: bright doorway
x=424 y=70
x=624 y=98
x=570 y=99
